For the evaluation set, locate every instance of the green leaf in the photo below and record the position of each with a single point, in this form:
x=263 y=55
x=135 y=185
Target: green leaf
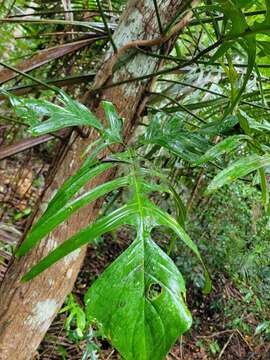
x=180 y=207
x=264 y=188
x=187 y=146
x=222 y=49
x=29 y=110
x=263 y=327
x=74 y=184
x=167 y=220
x=72 y=114
x=142 y=311
x=249 y=45
x=70 y=187
x=146 y=311
x=238 y=169
x=239 y=25
x=146 y=292
x=87 y=235
x=115 y=122
x=44 y=227
x=225 y=146
x=220 y=127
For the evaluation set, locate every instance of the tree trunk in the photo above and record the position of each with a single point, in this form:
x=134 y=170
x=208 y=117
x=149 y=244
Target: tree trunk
x=27 y=310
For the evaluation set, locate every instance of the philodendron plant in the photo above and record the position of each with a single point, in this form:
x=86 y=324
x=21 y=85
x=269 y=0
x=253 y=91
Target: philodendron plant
x=139 y=301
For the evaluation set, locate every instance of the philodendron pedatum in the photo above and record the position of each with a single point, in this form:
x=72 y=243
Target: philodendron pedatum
x=139 y=300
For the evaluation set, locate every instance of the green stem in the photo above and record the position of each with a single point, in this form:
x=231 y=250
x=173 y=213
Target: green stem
x=103 y=16
x=29 y=76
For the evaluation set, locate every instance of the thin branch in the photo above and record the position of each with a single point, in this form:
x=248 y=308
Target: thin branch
x=180 y=105
x=225 y=346
x=52 y=21
x=92 y=12
x=28 y=76
x=59 y=33
x=158 y=17
x=21 y=90
x=214 y=93
x=160 y=72
x=106 y=26
x=218 y=18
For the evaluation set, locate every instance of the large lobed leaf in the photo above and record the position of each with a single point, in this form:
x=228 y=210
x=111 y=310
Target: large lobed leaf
x=139 y=301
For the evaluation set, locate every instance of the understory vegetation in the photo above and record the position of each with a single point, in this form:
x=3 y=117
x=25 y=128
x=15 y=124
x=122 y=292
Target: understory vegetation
x=178 y=258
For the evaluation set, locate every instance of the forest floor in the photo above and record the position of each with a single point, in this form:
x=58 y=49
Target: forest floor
x=211 y=337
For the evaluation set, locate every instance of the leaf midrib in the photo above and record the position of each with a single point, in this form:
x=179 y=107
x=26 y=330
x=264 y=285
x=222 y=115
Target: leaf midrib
x=139 y=201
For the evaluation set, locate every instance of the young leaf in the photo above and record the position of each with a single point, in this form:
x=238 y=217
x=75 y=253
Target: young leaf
x=72 y=114
x=114 y=132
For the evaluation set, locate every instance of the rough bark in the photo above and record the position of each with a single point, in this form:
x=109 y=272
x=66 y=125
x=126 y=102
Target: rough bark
x=27 y=310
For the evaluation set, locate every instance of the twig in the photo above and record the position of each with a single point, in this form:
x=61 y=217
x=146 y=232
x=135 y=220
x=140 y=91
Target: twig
x=158 y=17
x=110 y=354
x=51 y=21
x=28 y=76
x=225 y=346
x=181 y=347
x=243 y=338
x=175 y=356
x=106 y=26
x=215 y=334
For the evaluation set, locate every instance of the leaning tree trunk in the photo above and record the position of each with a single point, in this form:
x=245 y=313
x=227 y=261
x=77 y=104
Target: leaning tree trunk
x=27 y=310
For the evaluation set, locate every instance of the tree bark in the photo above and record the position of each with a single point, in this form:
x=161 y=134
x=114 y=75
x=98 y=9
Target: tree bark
x=27 y=310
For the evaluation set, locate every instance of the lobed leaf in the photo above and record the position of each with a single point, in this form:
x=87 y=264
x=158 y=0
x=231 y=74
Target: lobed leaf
x=60 y=201
x=139 y=300
x=72 y=114
x=44 y=227
x=87 y=235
